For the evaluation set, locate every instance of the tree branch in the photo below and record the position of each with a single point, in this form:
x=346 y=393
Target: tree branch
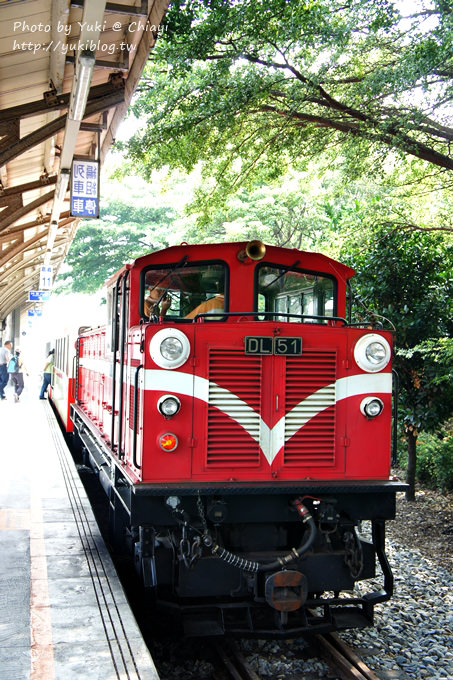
x=392 y=137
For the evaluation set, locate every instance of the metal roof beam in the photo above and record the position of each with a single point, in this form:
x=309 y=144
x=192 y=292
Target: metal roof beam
x=53 y=102
x=9 y=205
x=25 y=262
x=45 y=180
x=103 y=63
x=56 y=125
x=14 y=294
x=24 y=210
x=118 y=8
x=24 y=245
x=7 y=233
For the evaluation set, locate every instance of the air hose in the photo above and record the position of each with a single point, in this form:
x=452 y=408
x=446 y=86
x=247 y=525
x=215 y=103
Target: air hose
x=280 y=562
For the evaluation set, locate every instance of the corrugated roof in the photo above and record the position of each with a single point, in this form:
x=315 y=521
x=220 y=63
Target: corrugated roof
x=40 y=41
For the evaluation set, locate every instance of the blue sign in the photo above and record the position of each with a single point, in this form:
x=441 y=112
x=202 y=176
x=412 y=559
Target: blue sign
x=38 y=296
x=34 y=312
x=85 y=189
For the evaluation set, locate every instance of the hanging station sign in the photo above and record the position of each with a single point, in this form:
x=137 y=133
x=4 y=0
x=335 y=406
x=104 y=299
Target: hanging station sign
x=85 y=188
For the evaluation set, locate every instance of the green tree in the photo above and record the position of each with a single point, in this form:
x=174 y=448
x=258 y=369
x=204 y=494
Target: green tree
x=126 y=229
x=251 y=86
x=97 y=252
x=408 y=278
x=316 y=210
x=285 y=213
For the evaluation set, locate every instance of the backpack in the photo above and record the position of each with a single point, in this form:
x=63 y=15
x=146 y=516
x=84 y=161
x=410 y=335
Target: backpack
x=13 y=365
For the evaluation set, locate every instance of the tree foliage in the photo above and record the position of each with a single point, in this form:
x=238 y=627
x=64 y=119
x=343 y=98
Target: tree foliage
x=97 y=252
x=288 y=214
x=408 y=278
x=127 y=228
x=251 y=86
x=430 y=388
x=319 y=210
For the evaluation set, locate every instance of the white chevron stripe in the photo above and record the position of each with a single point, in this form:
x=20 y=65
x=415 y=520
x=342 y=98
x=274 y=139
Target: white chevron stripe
x=309 y=408
x=363 y=383
x=271 y=440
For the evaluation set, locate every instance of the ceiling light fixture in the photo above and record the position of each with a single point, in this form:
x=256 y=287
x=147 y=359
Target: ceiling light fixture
x=84 y=72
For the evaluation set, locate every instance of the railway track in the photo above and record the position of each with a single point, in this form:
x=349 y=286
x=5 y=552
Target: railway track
x=233 y=663
x=342 y=658
x=338 y=655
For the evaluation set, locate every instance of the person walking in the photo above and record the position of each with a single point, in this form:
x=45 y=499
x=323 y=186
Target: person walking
x=5 y=356
x=47 y=373
x=16 y=372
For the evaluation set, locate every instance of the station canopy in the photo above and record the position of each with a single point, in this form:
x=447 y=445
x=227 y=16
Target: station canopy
x=68 y=71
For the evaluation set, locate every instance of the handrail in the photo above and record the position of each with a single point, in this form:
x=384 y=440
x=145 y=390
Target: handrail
x=122 y=355
x=270 y=314
x=378 y=533
x=134 y=431
x=396 y=387
x=349 y=296
x=75 y=372
x=114 y=353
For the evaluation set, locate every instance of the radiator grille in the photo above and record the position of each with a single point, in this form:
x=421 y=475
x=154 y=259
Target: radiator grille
x=234 y=378
x=312 y=374
x=235 y=388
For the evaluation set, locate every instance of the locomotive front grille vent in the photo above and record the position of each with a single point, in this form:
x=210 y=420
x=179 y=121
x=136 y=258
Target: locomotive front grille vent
x=310 y=408
x=236 y=384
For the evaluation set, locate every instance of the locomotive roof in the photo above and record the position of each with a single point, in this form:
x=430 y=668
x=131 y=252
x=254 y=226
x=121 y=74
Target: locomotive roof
x=229 y=251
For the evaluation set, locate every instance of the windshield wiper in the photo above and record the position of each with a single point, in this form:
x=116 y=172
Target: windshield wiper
x=284 y=271
x=178 y=265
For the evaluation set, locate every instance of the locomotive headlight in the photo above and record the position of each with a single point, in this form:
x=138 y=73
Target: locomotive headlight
x=371 y=406
x=169 y=405
x=372 y=352
x=169 y=348
x=375 y=353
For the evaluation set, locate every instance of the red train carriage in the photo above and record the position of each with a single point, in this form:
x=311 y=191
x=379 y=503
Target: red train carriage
x=242 y=428
x=62 y=387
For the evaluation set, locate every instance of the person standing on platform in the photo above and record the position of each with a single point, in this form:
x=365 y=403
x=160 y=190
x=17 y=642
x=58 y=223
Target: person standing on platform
x=16 y=372
x=5 y=356
x=47 y=373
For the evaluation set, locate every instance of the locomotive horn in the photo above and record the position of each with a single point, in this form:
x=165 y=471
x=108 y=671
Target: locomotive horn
x=254 y=250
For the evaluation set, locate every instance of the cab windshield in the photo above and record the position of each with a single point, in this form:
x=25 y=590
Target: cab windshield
x=181 y=292
x=294 y=295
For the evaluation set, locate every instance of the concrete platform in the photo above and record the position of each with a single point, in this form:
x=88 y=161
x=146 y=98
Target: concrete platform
x=63 y=612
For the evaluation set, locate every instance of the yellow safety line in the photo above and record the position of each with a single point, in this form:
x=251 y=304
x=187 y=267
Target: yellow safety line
x=42 y=657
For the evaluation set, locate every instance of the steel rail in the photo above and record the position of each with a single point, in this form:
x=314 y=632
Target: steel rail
x=342 y=658
x=234 y=662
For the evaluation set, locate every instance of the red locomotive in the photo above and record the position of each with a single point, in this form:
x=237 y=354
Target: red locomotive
x=241 y=428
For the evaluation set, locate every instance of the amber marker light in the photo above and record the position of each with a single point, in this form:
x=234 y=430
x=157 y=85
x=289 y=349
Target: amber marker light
x=168 y=442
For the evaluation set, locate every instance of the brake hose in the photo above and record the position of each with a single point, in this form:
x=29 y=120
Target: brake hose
x=280 y=562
